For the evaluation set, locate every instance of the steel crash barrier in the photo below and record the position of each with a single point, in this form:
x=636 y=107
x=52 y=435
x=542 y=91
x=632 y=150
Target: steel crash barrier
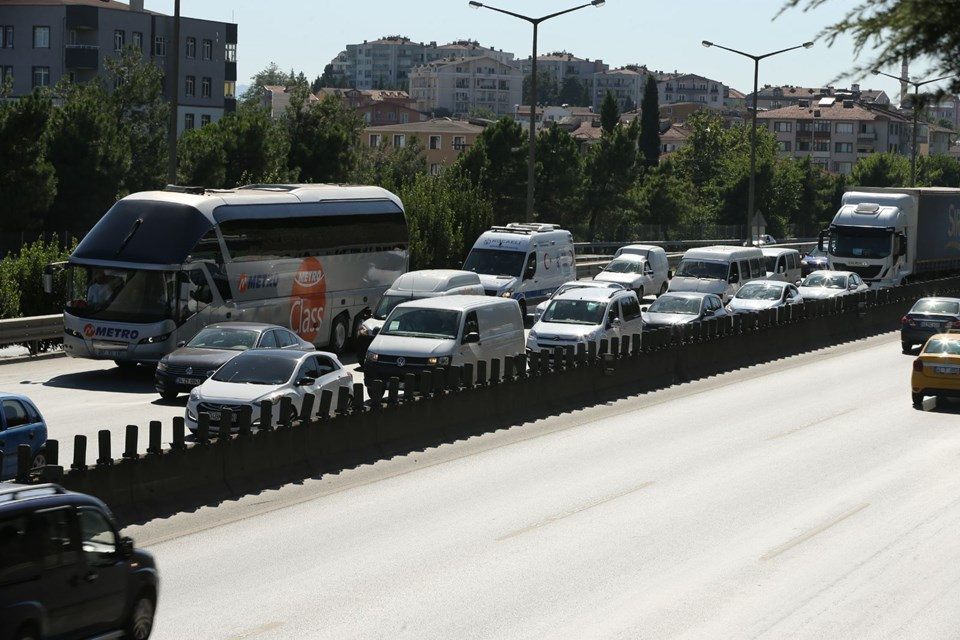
x=31 y=331
x=448 y=405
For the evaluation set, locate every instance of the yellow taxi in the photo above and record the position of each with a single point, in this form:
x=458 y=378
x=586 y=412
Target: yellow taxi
x=936 y=371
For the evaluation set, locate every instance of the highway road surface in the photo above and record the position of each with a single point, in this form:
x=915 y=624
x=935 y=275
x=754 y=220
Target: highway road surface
x=804 y=498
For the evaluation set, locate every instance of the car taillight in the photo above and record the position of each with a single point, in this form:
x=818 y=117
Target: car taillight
x=918 y=365
x=907 y=320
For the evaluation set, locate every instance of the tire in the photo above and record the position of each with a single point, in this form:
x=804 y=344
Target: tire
x=906 y=346
x=140 y=623
x=39 y=459
x=169 y=395
x=125 y=365
x=339 y=335
x=663 y=290
x=917 y=399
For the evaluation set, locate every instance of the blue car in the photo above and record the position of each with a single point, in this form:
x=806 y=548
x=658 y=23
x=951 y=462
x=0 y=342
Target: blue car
x=814 y=260
x=20 y=423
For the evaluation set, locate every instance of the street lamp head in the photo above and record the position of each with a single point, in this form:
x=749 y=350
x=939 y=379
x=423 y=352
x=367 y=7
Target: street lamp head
x=475 y=5
x=707 y=43
x=807 y=45
x=598 y=3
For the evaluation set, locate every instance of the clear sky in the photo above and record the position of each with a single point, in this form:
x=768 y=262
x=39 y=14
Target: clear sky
x=306 y=35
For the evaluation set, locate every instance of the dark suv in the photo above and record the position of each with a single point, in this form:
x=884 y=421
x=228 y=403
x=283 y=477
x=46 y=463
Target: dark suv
x=65 y=571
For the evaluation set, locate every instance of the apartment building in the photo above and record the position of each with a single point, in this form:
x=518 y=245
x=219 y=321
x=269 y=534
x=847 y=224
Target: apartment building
x=770 y=97
x=463 y=84
x=626 y=84
x=443 y=139
x=688 y=87
x=835 y=134
x=42 y=43
x=386 y=63
x=947 y=108
x=377 y=107
x=562 y=65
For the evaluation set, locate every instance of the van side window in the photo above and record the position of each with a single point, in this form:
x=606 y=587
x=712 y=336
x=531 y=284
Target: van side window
x=792 y=261
x=781 y=264
x=630 y=307
x=471 y=324
x=756 y=268
x=734 y=272
x=531 y=267
x=52 y=538
x=15 y=556
x=98 y=538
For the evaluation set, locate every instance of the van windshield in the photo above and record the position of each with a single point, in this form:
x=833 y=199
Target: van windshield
x=495 y=262
x=624 y=266
x=387 y=303
x=694 y=268
x=422 y=323
x=575 y=312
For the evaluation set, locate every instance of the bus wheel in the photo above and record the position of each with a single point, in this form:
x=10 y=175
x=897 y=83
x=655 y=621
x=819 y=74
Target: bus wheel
x=339 y=335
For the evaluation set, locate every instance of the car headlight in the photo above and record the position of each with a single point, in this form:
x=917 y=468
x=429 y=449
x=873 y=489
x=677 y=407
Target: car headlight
x=439 y=361
x=362 y=331
x=273 y=398
x=161 y=366
x=532 y=335
x=506 y=293
x=195 y=394
x=372 y=357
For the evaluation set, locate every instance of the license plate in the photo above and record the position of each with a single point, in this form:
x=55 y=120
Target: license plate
x=947 y=370
x=111 y=354
x=930 y=325
x=193 y=381
x=215 y=416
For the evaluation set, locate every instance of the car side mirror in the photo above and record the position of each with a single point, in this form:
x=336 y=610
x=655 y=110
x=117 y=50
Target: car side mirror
x=306 y=381
x=614 y=323
x=471 y=337
x=126 y=547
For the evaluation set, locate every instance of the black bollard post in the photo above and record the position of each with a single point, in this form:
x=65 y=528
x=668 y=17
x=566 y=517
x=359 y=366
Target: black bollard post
x=425 y=383
x=469 y=378
x=24 y=458
x=203 y=428
x=244 y=418
x=154 y=445
x=286 y=412
x=79 y=453
x=226 y=425
x=306 y=409
x=482 y=373
x=495 y=371
x=132 y=435
x=105 y=459
x=53 y=452
x=179 y=433
x=357 y=396
x=326 y=403
x=393 y=390
x=343 y=400
x=375 y=389
x=266 y=415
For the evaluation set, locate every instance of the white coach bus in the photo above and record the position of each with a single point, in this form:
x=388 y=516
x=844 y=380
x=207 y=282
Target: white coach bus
x=160 y=265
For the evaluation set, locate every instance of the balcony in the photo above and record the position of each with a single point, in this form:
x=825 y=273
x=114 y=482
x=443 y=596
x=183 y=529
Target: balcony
x=81 y=56
x=866 y=136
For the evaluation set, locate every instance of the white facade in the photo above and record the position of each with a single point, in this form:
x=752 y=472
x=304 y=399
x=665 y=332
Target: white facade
x=467 y=83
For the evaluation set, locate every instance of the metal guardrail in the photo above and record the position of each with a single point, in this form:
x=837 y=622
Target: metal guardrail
x=31 y=331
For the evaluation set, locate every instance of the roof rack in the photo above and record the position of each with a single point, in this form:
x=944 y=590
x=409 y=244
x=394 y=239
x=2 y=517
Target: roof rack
x=527 y=227
x=20 y=491
x=274 y=187
x=176 y=188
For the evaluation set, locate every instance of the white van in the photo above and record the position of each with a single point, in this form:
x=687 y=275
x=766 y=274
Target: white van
x=581 y=316
x=526 y=262
x=641 y=267
x=718 y=269
x=415 y=285
x=782 y=264
x=444 y=331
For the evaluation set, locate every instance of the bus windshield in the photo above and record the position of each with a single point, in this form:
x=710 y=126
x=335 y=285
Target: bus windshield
x=387 y=303
x=129 y=295
x=494 y=262
x=860 y=242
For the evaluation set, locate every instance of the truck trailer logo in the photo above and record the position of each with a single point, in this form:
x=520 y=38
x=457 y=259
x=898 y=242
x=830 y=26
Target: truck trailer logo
x=91 y=331
x=262 y=281
x=307 y=299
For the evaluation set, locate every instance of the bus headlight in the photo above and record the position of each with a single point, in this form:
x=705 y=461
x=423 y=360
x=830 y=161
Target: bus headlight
x=72 y=332
x=155 y=339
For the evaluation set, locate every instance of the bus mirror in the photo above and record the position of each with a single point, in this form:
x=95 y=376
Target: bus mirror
x=48 y=283
x=48 y=271
x=820 y=241
x=901 y=243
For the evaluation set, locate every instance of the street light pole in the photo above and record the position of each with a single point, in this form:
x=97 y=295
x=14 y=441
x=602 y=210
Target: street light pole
x=751 y=193
x=532 y=162
x=916 y=113
x=174 y=99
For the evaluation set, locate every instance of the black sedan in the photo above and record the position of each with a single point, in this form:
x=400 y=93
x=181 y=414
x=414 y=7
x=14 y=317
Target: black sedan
x=675 y=308
x=195 y=361
x=927 y=317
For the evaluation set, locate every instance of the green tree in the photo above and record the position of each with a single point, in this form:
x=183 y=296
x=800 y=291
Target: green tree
x=256 y=148
x=881 y=170
x=547 y=88
x=609 y=113
x=559 y=174
x=27 y=178
x=90 y=155
x=142 y=114
x=572 y=92
x=650 y=124
x=497 y=165
x=21 y=279
x=610 y=170
x=938 y=171
x=271 y=75
x=324 y=137
x=392 y=168
x=663 y=197
x=476 y=113
x=896 y=30
x=202 y=158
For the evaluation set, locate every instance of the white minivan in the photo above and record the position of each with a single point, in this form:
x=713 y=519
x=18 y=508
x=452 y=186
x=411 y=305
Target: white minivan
x=641 y=267
x=526 y=262
x=719 y=269
x=585 y=315
x=782 y=264
x=444 y=331
x=415 y=285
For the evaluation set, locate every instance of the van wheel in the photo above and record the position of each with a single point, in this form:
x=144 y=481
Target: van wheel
x=169 y=395
x=907 y=347
x=663 y=289
x=338 y=335
x=140 y=623
x=523 y=310
x=917 y=399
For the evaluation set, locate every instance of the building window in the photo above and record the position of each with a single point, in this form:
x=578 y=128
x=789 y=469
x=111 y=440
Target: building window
x=160 y=46
x=785 y=145
x=6 y=37
x=41 y=37
x=138 y=40
x=821 y=146
x=6 y=72
x=191 y=48
x=204 y=119
x=435 y=169
x=783 y=127
x=190 y=86
x=843 y=147
x=119 y=39
x=822 y=126
x=844 y=127
x=230 y=52
x=41 y=77
x=435 y=142
x=188 y=121
x=803 y=145
x=846 y=168
x=229 y=89
x=206 y=87
x=374 y=140
x=459 y=143
x=208 y=49
x=399 y=140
